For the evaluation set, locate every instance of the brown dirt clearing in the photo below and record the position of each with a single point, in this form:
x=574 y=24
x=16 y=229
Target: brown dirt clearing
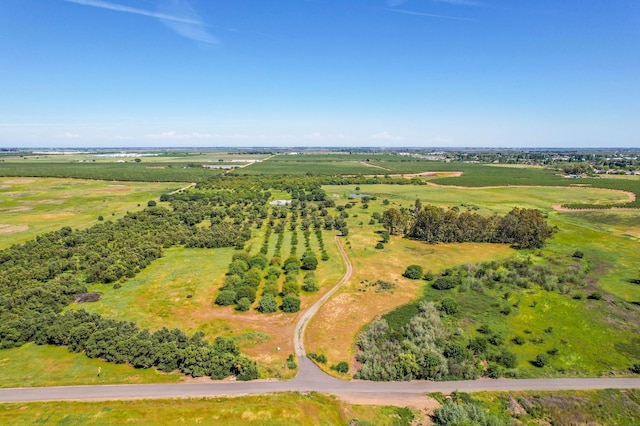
x=6 y=229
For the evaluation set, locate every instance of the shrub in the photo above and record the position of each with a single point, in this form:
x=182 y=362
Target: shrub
x=252 y=278
x=151 y=203
x=267 y=304
x=246 y=291
x=290 y=304
x=449 y=306
x=635 y=368
x=341 y=367
x=243 y=305
x=321 y=358
x=379 y=246
x=595 y=296
x=519 y=340
x=292 y=264
x=310 y=283
x=290 y=287
x=226 y=298
x=291 y=362
x=445 y=283
x=258 y=261
x=578 y=254
x=413 y=272
x=541 y=360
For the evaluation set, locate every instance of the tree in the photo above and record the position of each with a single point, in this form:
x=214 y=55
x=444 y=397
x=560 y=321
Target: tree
x=449 y=306
x=226 y=298
x=246 y=292
x=151 y=203
x=309 y=261
x=394 y=221
x=341 y=367
x=290 y=304
x=541 y=360
x=310 y=284
x=244 y=304
x=267 y=304
x=413 y=272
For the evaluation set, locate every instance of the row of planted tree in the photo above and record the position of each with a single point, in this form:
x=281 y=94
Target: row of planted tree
x=40 y=278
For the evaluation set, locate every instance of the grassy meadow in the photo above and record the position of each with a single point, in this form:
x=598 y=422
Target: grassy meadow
x=581 y=327
x=33 y=365
x=275 y=409
x=32 y=206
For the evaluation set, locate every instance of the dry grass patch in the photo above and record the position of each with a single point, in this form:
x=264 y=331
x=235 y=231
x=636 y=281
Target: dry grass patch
x=333 y=330
x=6 y=229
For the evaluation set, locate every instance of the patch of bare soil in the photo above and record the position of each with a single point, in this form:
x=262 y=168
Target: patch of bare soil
x=364 y=163
x=16 y=209
x=18 y=181
x=87 y=297
x=417 y=401
x=112 y=189
x=51 y=201
x=6 y=229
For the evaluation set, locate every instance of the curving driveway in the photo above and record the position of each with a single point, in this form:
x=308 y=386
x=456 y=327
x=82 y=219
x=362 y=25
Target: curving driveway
x=309 y=378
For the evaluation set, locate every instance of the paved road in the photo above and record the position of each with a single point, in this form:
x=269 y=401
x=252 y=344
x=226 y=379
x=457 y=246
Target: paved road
x=309 y=378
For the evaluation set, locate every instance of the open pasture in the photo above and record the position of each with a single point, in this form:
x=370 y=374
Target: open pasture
x=610 y=250
x=32 y=206
x=489 y=200
x=33 y=365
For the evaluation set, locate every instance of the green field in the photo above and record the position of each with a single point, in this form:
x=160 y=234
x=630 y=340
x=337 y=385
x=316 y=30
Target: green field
x=32 y=206
x=33 y=365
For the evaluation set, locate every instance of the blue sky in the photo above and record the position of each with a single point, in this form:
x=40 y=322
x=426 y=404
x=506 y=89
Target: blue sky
x=499 y=73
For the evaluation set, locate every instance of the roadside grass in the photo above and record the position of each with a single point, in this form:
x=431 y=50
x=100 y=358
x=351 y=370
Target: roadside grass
x=33 y=365
x=269 y=410
x=32 y=206
x=602 y=407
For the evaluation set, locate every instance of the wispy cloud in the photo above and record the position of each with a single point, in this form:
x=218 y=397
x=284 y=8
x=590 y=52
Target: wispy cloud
x=459 y=2
x=173 y=135
x=429 y=15
x=68 y=135
x=178 y=15
x=394 y=3
x=386 y=136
